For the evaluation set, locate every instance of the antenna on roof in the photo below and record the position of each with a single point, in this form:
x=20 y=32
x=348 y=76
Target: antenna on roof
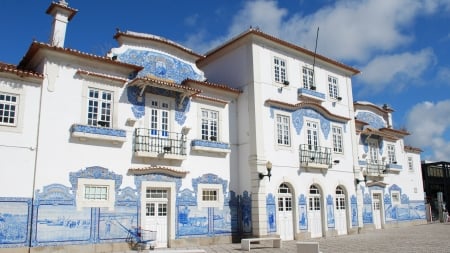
x=314 y=59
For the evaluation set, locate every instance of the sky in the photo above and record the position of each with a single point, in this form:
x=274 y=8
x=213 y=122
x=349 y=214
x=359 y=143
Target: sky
x=401 y=47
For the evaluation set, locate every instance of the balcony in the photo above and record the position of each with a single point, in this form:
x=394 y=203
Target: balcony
x=315 y=157
x=211 y=146
x=394 y=167
x=375 y=168
x=84 y=132
x=307 y=94
x=153 y=143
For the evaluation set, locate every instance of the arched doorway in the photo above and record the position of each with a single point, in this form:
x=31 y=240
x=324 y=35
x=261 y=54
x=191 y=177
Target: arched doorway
x=285 y=217
x=314 y=212
x=340 y=212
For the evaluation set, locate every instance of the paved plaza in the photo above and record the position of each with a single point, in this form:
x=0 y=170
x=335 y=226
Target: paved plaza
x=434 y=237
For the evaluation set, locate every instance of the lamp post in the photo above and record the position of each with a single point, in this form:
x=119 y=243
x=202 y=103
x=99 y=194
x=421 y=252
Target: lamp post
x=269 y=169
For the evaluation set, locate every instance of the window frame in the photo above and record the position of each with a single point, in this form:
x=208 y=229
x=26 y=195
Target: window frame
x=87 y=85
x=410 y=163
x=4 y=103
x=392 y=158
x=311 y=127
x=83 y=202
x=279 y=70
x=209 y=136
x=308 y=78
x=105 y=107
x=280 y=128
x=333 y=87
x=218 y=203
x=19 y=112
x=338 y=137
x=395 y=200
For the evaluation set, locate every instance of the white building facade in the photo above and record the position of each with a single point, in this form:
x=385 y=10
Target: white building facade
x=256 y=138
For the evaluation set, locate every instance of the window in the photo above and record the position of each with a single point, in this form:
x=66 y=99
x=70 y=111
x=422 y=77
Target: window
x=395 y=196
x=156 y=193
x=333 y=87
x=373 y=150
x=279 y=66
x=410 y=163
x=8 y=109
x=99 y=107
x=340 y=198
x=283 y=130
x=209 y=124
x=209 y=195
x=337 y=139
x=96 y=192
x=312 y=135
x=308 y=78
x=391 y=154
x=159 y=118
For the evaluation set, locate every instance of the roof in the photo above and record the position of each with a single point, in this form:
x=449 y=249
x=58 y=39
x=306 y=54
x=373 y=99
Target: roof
x=158 y=170
x=413 y=149
x=384 y=109
x=35 y=47
x=150 y=37
x=211 y=85
x=10 y=68
x=309 y=105
x=258 y=33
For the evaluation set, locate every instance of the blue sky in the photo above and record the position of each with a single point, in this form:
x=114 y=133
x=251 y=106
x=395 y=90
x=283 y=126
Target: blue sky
x=402 y=47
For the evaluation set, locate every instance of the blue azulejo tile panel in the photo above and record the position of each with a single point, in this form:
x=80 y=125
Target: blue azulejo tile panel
x=14 y=222
x=302 y=211
x=222 y=223
x=271 y=213
x=246 y=212
x=192 y=221
x=116 y=224
x=160 y=65
x=330 y=212
x=354 y=208
x=62 y=223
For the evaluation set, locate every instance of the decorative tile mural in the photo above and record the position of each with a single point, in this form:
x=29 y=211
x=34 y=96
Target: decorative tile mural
x=354 y=209
x=330 y=212
x=271 y=213
x=14 y=221
x=371 y=118
x=302 y=211
x=161 y=65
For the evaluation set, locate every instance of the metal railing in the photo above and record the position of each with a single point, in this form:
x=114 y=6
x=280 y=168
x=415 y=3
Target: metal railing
x=376 y=167
x=315 y=154
x=159 y=141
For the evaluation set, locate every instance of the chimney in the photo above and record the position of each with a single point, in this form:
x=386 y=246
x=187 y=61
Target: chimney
x=62 y=14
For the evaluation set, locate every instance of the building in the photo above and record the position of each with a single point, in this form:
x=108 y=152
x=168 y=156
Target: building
x=436 y=178
x=389 y=169
x=257 y=137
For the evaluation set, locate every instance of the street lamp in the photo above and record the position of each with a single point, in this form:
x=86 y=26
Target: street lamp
x=269 y=169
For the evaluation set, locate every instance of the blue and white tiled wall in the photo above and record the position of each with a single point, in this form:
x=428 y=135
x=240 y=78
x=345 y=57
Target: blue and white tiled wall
x=53 y=218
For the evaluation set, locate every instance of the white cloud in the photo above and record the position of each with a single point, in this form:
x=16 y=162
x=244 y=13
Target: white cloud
x=398 y=70
x=428 y=123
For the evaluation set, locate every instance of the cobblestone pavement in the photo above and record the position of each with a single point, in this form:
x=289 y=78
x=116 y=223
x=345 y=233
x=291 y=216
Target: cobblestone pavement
x=434 y=237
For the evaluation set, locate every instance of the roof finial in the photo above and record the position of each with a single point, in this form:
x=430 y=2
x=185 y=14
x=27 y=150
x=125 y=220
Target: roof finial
x=63 y=2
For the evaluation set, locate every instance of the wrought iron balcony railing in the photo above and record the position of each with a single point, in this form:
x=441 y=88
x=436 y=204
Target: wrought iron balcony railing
x=376 y=168
x=151 y=141
x=315 y=156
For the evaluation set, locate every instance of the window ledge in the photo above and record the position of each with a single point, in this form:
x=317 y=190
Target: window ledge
x=394 y=167
x=312 y=165
x=149 y=154
x=310 y=94
x=98 y=133
x=210 y=146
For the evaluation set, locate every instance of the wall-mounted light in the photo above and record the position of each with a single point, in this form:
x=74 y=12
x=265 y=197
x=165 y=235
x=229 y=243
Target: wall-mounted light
x=269 y=169
x=339 y=98
x=336 y=161
x=285 y=83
